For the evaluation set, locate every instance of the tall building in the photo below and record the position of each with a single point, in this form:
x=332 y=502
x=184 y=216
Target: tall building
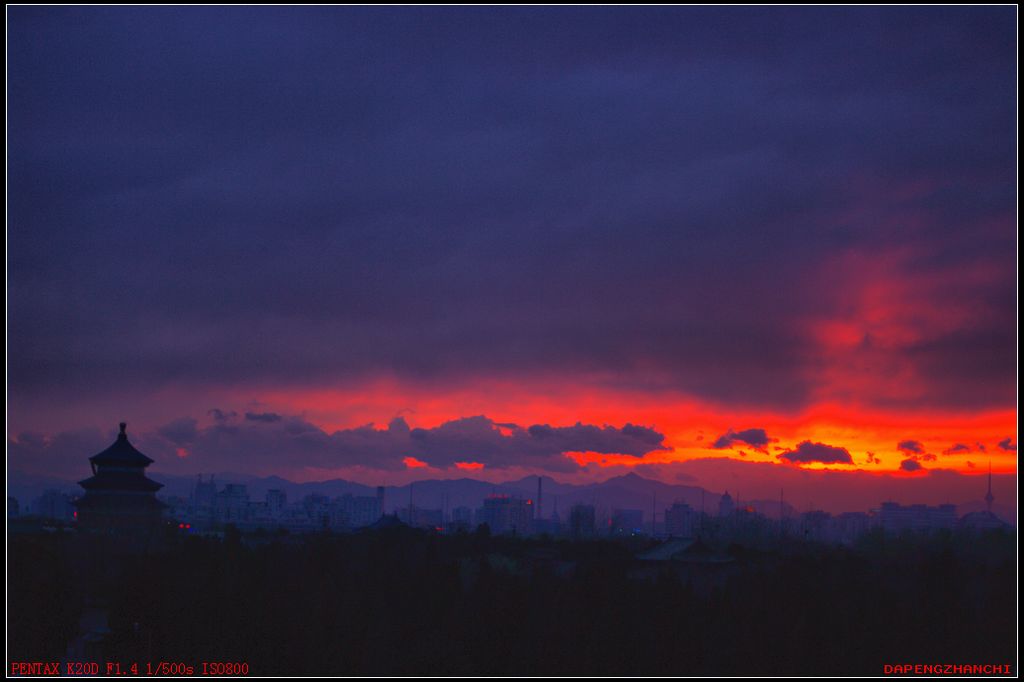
x=232 y=504
x=359 y=511
x=462 y=517
x=118 y=496
x=680 y=520
x=53 y=504
x=982 y=520
x=204 y=499
x=726 y=507
x=627 y=522
x=422 y=518
x=582 y=520
x=505 y=514
x=277 y=500
x=916 y=517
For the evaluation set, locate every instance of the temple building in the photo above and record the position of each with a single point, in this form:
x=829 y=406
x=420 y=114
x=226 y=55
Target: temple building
x=119 y=499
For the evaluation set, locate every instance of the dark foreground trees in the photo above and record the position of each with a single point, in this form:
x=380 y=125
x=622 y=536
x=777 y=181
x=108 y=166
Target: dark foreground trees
x=405 y=602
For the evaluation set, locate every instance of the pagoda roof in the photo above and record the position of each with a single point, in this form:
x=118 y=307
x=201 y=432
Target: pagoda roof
x=122 y=502
x=127 y=481
x=121 y=453
x=386 y=522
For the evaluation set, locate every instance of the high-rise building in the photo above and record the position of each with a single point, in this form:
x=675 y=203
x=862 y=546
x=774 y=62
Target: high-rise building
x=204 y=499
x=54 y=504
x=461 y=519
x=582 y=520
x=359 y=511
x=916 y=517
x=726 y=507
x=276 y=500
x=680 y=520
x=504 y=514
x=626 y=522
x=232 y=504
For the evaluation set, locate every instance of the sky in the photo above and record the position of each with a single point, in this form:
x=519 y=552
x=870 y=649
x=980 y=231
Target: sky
x=389 y=243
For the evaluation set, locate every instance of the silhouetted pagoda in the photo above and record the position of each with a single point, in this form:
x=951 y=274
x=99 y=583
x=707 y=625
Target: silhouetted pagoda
x=119 y=499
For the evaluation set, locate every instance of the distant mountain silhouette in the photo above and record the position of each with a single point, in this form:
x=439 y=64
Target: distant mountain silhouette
x=622 y=492
x=629 y=491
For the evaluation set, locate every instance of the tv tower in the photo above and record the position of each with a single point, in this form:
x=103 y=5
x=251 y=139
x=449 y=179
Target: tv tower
x=989 y=498
x=540 y=481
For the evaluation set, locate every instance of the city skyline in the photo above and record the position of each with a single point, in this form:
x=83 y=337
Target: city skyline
x=614 y=494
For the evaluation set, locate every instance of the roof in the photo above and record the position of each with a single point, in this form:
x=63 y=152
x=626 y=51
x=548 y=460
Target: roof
x=666 y=550
x=120 y=503
x=386 y=522
x=120 y=481
x=684 y=550
x=121 y=453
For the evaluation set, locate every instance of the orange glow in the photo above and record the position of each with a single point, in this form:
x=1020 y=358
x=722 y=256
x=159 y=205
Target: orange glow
x=881 y=307
x=610 y=459
x=690 y=426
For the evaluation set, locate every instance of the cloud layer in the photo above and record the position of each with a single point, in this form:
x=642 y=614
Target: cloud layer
x=277 y=443
x=763 y=207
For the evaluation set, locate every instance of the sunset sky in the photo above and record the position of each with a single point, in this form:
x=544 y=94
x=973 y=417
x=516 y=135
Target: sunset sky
x=389 y=243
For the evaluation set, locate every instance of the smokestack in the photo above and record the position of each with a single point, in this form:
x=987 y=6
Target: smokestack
x=540 y=481
x=782 y=511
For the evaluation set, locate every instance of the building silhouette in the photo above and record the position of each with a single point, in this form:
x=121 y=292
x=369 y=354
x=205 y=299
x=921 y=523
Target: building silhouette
x=896 y=518
x=726 y=506
x=505 y=514
x=626 y=522
x=582 y=521
x=984 y=520
x=119 y=498
x=681 y=520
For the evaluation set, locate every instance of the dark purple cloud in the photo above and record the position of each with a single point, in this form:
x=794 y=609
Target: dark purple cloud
x=1007 y=445
x=290 y=444
x=221 y=416
x=212 y=196
x=910 y=447
x=180 y=431
x=817 y=452
x=957 y=449
x=265 y=417
x=910 y=465
x=757 y=438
